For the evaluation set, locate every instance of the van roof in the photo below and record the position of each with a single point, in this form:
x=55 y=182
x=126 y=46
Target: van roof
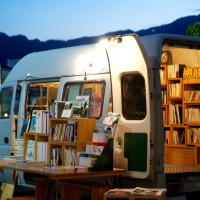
x=58 y=62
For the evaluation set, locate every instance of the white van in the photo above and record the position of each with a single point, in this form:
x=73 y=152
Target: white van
x=125 y=73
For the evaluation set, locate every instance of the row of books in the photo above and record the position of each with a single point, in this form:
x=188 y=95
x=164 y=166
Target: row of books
x=175 y=114
x=70 y=157
x=192 y=114
x=56 y=156
x=178 y=137
x=191 y=74
x=193 y=135
x=70 y=154
x=164 y=96
x=42 y=151
x=39 y=119
x=175 y=90
x=67 y=109
x=65 y=132
x=39 y=122
x=192 y=95
x=175 y=71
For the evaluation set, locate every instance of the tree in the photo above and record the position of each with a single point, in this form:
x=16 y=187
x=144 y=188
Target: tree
x=194 y=29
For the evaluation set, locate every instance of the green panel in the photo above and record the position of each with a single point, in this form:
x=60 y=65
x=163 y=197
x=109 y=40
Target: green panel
x=135 y=150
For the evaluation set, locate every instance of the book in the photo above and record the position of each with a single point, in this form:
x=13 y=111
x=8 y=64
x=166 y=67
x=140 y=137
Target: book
x=111 y=121
x=149 y=191
x=56 y=156
x=111 y=118
x=68 y=109
x=30 y=150
x=120 y=192
x=45 y=121
x=58 y=108
x=38 y=121
x=176 y=71
x=80 y=107
x=42 y=150
x=32 y=126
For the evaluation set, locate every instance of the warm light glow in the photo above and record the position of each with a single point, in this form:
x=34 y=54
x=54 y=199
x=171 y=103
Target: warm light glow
x=5 y=115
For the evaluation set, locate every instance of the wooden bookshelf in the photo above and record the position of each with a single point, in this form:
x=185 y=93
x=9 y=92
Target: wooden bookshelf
x=37 y=138
x=181 y=116
x=82 y=130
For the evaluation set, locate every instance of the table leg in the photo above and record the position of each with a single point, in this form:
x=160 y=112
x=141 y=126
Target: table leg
x=45 y=189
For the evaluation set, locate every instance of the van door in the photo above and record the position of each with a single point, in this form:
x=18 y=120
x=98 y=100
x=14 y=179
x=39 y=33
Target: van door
x=8 y=119
x=132 y=88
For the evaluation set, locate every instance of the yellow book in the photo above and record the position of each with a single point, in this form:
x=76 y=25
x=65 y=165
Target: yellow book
x=185 y=75
x=60 y=131
x=198 y=74
x=194 y=74
x=189 y=74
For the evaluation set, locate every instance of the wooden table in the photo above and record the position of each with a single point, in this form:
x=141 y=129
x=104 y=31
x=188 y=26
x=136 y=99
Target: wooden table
x=46 y=185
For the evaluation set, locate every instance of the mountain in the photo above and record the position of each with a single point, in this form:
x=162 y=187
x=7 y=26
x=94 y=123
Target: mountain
x=15 y=47
x=179 y=26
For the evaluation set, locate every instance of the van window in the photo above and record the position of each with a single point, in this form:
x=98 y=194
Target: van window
x=40 y=96
x=133 y=97
x=17 y=99
x=95 y=90
x=5 y=102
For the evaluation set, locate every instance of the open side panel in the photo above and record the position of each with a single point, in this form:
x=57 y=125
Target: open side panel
x=131 y=88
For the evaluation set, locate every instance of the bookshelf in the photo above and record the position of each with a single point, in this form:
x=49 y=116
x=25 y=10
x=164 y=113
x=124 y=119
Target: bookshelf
x=78 y=131
x=40 y=145
x=59 y=150
x=181 y=115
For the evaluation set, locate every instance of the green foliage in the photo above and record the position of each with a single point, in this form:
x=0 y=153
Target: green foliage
x=194 y=29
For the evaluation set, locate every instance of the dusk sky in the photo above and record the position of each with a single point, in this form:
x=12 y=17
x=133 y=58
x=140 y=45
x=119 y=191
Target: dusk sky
x=69 y=19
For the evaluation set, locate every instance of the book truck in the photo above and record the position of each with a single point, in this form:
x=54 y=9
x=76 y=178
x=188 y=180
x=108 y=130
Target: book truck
x=71 y=159
x=116 y=119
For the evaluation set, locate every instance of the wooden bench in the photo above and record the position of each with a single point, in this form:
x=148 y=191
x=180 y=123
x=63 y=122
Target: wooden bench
x=73 y=190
